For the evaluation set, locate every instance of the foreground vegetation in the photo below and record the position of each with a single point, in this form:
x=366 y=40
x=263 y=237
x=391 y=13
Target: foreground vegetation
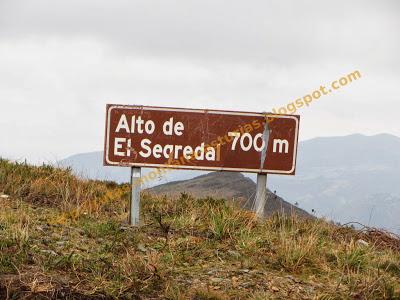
x=61 y=237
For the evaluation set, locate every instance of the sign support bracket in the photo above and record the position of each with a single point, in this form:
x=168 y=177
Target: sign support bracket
x=261 y=195
x=134 y=201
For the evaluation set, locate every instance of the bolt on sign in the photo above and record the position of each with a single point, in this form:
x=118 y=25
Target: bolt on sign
x=145 y=136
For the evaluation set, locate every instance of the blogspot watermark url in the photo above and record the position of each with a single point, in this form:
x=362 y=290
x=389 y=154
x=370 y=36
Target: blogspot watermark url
x=306 y=100
x=290 y=108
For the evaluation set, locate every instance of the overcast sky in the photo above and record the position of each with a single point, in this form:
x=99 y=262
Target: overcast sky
x=62 y=61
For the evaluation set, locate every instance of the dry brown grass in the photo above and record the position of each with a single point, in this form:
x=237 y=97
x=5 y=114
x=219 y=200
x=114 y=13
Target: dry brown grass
x=62 y=237
x=58 y=187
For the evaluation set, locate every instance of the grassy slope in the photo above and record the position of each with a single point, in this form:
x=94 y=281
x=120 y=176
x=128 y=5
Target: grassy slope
x=63 y=237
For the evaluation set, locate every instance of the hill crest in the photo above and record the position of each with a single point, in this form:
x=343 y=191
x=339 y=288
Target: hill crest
x=228 y=185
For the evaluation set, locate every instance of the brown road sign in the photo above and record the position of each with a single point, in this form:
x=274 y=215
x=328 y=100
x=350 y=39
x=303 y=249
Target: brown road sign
x=145 y=136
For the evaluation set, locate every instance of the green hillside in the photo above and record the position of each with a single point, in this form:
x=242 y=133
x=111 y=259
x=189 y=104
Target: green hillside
x=66 y=238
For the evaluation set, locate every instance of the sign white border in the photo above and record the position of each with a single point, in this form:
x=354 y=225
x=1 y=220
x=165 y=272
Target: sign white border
x=135 y=107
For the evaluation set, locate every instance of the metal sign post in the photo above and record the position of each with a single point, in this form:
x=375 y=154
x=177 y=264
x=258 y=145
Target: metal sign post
x=134 y=201
x=261 y=195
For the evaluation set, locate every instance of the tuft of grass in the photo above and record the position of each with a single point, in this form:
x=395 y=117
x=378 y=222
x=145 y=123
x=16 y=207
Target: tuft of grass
x=224 y=221
x=353 y=258
x=203 y=294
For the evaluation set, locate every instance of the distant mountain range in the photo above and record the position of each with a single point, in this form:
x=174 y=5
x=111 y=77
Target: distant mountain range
x=348 y=178
x=90 y=165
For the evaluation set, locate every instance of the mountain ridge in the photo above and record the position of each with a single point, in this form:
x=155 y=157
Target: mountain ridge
x=232 y=186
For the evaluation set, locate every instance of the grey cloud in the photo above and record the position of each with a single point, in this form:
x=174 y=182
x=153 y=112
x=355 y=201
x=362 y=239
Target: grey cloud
x=250 y=31
x=62 y=61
